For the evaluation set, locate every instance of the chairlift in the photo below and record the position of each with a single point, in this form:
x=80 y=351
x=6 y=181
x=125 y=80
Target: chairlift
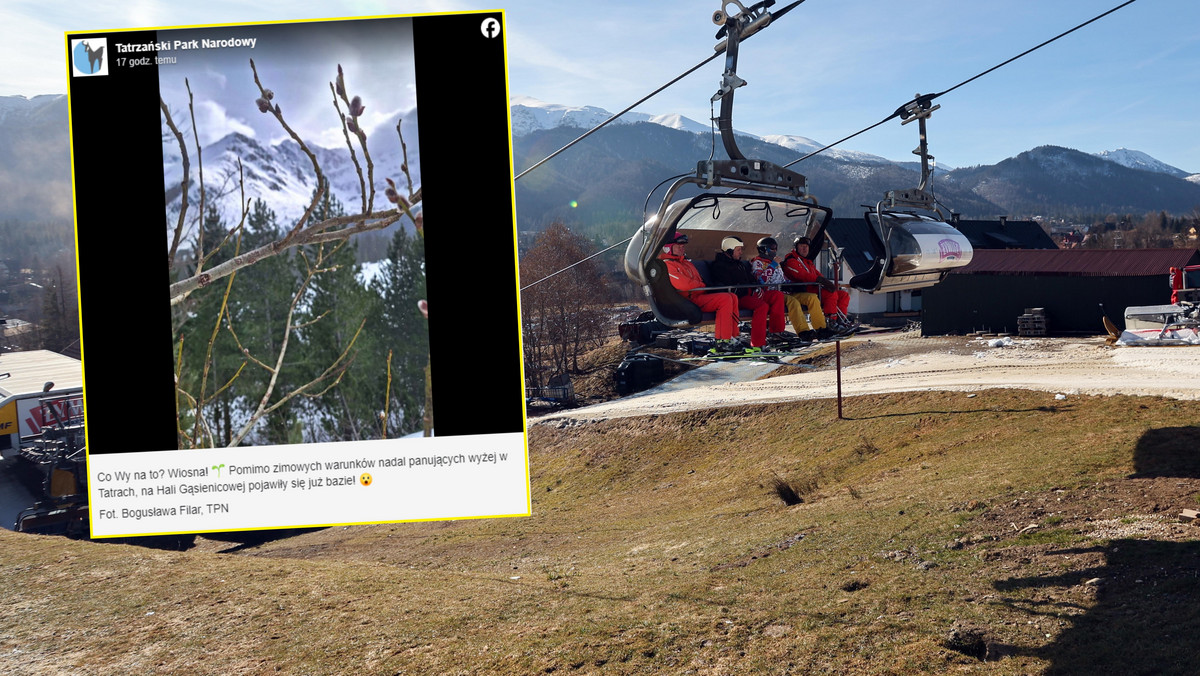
x=707 y=219
x=758 y=198
x=911 y=244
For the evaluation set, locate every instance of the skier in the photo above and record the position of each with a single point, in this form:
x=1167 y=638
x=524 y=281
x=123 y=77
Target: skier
x=766 y=304
x=768 y=272
x=798 y=268
x=685 y=277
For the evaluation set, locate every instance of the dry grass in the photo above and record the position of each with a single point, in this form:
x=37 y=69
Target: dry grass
x=657 y=547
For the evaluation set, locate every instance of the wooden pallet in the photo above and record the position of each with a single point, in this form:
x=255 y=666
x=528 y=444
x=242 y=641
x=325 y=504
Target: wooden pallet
x=1032 y=323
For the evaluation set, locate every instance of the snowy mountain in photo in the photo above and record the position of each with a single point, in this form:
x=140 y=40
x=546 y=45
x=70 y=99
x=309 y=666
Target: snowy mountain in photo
x=282 y=175
x=1136 y=159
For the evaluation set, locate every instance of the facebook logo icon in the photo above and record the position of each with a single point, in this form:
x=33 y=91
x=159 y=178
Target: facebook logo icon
x=490 y=27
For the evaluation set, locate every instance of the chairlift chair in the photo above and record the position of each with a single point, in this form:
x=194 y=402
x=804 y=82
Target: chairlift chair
x=707 y=219
x=758 y=200
x=911 y=244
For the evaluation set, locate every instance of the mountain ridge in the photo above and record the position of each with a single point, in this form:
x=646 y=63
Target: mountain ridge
x=607 y=177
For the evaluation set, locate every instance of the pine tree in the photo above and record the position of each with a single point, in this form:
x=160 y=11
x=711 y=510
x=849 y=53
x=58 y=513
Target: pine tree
x=59 y=325
x=336 y=305
x=257 y=311
x=209 y=357
x=405 y=331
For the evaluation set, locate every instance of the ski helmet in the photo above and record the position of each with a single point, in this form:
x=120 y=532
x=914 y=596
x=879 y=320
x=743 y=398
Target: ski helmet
x=730 y=243
x=767 y=246
x=678 y=238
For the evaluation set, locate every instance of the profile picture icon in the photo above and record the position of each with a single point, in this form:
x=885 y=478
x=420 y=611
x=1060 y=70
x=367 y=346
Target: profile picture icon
x=89 y=57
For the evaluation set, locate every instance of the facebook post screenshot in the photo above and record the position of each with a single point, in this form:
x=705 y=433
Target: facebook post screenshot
x=297 y=273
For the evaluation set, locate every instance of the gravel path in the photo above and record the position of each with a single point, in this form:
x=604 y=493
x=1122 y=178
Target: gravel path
x=906 y=362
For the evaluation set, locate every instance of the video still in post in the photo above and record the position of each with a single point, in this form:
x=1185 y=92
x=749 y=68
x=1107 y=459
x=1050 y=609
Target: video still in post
x=297 y=275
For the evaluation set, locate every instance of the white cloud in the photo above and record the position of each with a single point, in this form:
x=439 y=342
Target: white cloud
x=219 y=78
x=214 y=123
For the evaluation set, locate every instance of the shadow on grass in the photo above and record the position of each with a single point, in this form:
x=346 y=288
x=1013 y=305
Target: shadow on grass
x=253 y=538
x=1144 y=619
x=175 y=543
x=1053 y=408
x=1168 y=452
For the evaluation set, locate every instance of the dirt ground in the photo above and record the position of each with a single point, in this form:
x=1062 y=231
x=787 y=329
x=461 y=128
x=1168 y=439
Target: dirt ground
x=993 y=518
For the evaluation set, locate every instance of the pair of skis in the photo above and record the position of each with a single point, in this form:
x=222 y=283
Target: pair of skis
x=768 y=357
x=772 y=356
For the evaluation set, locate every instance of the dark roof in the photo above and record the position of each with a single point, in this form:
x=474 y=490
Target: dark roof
x=1005 y=234
x=852 y=236
x=1079 y=262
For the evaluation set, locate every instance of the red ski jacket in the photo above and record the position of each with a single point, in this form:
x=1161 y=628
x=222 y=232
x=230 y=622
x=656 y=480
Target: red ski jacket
x=800 y=269
x=684 y=275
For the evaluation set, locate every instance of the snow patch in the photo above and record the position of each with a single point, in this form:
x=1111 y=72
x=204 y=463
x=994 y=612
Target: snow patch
x=1136 y=159
x=372 y=271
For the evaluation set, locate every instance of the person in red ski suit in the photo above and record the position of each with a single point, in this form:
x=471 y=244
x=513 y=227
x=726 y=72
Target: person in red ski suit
x=798 y=268
x=685 y=277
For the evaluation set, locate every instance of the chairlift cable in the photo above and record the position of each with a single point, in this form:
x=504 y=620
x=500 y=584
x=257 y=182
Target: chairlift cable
x=930 y=97
x=580 y=262
x=719 y=51
x=626 y=110
x=1031 y=49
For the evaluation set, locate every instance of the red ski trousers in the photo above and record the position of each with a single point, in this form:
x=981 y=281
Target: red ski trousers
x=834 y=301
x=725 y=305
x=769 y=305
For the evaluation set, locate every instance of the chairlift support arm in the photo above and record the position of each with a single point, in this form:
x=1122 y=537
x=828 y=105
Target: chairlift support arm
x=920 y=109
x=739 y=169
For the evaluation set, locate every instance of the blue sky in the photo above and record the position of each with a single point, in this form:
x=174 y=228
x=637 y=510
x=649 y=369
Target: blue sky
x=827 y=69
x=294 y=60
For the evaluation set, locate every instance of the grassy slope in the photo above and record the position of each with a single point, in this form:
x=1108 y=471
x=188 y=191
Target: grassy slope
x=658 y=546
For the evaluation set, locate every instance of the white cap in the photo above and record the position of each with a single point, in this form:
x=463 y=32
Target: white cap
x=730 y=243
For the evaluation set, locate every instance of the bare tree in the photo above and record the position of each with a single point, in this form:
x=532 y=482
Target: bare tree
x=323 y=235
x=304 y=231
x=565 y=316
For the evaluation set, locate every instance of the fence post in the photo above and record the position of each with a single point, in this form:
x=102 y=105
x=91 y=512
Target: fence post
x=838 y=348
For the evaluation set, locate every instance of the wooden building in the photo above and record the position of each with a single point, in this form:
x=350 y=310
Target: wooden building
x=1070 y=284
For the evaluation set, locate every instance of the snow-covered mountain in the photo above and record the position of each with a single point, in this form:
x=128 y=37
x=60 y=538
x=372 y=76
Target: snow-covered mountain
x=805 y=145
x=35 y=158
x=1056 y=180
x=18 y=109
x=530 y=114
x=1136 y=159
x=282 y=175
